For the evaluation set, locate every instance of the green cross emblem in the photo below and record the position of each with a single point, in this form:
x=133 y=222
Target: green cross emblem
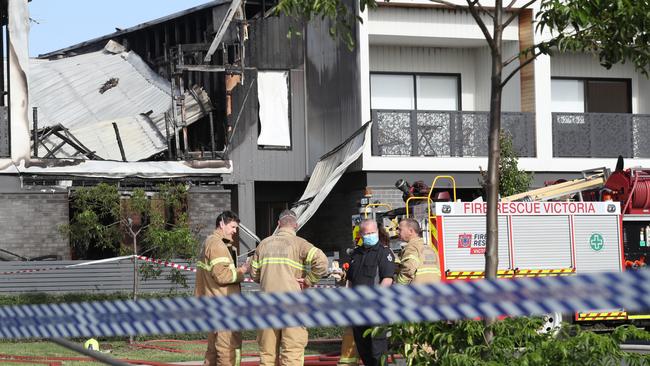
x=596 y=242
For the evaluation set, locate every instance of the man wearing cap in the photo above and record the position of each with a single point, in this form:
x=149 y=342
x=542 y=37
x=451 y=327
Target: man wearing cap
x=285 y=262
x=217 y=275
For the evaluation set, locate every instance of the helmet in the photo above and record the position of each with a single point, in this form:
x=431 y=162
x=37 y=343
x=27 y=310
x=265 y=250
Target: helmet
x=92 y=344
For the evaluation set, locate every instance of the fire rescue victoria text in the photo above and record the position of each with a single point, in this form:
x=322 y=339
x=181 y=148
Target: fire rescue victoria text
x=514 y=208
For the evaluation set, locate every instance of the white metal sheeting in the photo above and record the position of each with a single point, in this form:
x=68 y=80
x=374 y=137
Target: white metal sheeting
x=327 y=173
x=273 y=95
x=119 y=170
x=87 y=93
x=18 y=28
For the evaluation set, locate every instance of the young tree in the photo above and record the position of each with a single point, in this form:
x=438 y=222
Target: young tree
x=615 y=31
x=512 y=180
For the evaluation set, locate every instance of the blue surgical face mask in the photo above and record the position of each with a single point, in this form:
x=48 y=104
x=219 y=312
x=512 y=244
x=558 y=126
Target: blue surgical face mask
x=370 y=240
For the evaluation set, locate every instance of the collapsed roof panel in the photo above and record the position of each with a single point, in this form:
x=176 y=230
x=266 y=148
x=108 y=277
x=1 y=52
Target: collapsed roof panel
x=86 y=94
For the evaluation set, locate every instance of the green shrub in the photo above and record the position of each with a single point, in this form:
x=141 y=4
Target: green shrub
x=516 y=342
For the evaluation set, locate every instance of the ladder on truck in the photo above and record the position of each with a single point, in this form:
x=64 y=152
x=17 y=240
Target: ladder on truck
x=591 y=179
x=428 y=225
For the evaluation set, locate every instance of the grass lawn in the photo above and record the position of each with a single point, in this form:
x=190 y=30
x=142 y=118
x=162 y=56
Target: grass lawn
x=191 y=350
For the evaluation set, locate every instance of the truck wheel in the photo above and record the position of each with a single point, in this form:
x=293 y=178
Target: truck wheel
x=552 y=323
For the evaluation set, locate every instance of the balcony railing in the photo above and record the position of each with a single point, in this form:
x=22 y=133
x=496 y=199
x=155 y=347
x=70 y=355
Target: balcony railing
x=601 y=135
x=446 y=133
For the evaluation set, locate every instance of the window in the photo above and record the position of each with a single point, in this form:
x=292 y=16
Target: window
x=273 y=96
x=392 y=91
x=415 y=92
x=591 y=95
x=567 y=96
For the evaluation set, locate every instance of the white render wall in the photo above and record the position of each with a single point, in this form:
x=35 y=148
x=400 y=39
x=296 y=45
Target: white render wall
x=471 y=63
x=463 y=51
x=429 y=27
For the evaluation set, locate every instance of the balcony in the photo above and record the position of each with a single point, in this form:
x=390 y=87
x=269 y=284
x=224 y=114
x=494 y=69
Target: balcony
x=601 y=135
x=446 y=133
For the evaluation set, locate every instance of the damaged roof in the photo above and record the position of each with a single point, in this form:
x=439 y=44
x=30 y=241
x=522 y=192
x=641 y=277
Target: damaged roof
x=86 y=94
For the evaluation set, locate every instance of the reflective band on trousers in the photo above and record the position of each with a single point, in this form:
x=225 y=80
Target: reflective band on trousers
x=428 y=271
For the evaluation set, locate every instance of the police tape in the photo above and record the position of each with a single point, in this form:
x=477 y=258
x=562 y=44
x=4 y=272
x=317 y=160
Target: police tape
x=331 y=307
x=192 y=269
x=167 y=263
x=33 y=270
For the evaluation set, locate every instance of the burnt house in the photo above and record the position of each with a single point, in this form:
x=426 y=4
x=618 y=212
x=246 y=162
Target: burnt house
x=274 y=103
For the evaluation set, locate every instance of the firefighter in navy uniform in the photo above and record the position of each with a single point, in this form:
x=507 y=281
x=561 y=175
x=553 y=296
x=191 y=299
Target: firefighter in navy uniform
x=371 y=264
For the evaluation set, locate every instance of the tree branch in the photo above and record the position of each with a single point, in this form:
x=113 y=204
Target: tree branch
x=522 y=53
x=514 y=15
x=485 y=11
x=512 y=3
x=446 y=3
x=521 y=66
x=472 y=10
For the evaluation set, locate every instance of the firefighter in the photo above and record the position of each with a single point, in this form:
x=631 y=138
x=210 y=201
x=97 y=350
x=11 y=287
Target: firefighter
x=371 y=264
x=217 y=275
x=418 y=262
x=285 y=262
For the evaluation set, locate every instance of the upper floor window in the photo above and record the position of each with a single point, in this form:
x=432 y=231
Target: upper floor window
x=582 y=95
x=415 y=91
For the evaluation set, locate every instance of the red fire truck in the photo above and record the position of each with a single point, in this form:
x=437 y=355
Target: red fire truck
x=598 y=223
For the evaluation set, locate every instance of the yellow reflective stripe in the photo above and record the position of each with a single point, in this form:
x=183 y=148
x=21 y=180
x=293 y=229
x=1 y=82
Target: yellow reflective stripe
x=310 y=254
x=428 y=270
x=234 y=274
x=348 y=360
x=312 y=277
x=279 y=260
x=237 y=356
x=414 y=257
x=203 y=266
x=402 y=280
x=256 y=264
x=208 y=266
x=219 y=260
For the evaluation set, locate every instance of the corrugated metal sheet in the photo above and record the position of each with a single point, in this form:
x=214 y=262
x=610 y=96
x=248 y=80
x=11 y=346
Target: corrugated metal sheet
x=327 y=173
x=87 y=93
x=333 y=89
x=537 y=247
x=460 y=259
x=608 y=259
x=96 y=278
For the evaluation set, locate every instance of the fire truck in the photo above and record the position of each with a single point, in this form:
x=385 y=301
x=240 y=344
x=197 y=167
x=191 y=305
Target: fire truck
x=598 y=223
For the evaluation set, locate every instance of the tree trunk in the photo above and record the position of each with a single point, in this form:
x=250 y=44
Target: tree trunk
x=492 y=244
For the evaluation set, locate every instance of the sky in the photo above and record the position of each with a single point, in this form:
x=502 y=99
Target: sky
x=60 y=23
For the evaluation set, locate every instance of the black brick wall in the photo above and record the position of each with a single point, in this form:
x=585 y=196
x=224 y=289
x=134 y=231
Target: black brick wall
x=204 y=205
x=29 y=224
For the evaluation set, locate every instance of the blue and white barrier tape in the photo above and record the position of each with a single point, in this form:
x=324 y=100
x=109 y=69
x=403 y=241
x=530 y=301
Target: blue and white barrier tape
x=331 y=307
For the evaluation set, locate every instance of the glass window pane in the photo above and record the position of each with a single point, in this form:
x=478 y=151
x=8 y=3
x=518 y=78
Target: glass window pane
x=437 y=93
x=567 y=96
x=391 y=92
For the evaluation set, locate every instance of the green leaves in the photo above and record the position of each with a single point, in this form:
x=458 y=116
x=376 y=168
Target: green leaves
x=516 y=342
x=338 y=16
x=614 y=31
x=98 y=227
x=511 y=179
